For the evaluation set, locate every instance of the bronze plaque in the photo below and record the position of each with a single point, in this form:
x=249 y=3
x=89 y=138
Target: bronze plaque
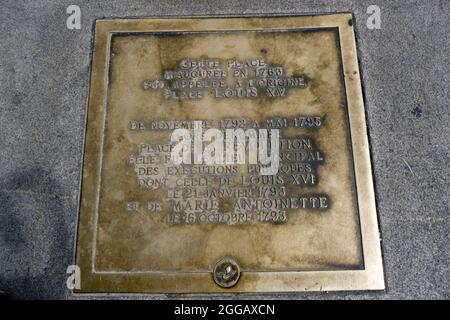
x=227 y=155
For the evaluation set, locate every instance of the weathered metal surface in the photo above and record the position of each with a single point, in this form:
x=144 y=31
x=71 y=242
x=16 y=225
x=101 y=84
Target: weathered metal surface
x=149 y=225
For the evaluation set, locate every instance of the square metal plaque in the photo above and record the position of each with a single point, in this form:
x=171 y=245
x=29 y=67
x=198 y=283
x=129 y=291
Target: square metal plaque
x=227 y=155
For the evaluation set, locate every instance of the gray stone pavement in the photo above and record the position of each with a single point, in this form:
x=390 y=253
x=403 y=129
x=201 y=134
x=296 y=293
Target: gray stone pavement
x=44 y=78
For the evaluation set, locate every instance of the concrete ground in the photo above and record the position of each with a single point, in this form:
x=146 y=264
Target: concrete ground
x=44 y=78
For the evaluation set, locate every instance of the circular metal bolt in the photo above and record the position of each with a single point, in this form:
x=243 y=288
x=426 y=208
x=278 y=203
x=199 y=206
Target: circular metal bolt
x=226 y=272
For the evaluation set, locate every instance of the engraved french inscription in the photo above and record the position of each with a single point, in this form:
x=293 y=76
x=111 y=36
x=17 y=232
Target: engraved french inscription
x=234 y=193
x=227 y=155
x=224 y=79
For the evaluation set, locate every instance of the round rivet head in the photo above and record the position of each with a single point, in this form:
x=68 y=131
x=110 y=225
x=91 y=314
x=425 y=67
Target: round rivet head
x=226 y=272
